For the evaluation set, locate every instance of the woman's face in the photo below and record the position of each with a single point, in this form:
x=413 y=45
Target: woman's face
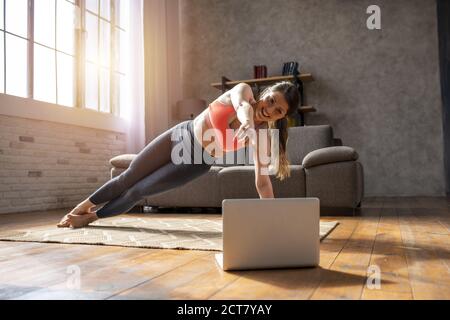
x=271 y=107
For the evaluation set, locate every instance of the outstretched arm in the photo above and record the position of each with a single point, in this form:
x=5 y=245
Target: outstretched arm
x=241 y=96
x=261 y=157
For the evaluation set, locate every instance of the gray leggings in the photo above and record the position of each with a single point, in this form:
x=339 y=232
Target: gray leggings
x=152 y=172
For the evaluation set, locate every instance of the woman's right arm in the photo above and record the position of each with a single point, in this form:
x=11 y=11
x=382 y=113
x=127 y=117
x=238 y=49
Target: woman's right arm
x=262 y=169
x=241 y=95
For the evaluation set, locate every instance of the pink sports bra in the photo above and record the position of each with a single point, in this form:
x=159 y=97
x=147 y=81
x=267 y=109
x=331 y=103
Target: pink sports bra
x=219 y=113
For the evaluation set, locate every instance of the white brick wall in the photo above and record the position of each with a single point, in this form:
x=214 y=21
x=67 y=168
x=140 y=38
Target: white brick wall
x=46 y=165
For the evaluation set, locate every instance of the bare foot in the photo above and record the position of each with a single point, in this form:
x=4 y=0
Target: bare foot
x=78 y=210
x=78 y=221
x=64 y=223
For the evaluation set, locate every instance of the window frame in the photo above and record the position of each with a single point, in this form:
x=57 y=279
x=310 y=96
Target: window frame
x=78 y=114
x=80 y=34
x=114 y=104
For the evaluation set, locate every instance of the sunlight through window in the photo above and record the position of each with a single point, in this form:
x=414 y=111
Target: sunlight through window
x=122 y=58
x=66 y=79
x=17 y=17
x=91 y=86
x=72 y=64
x=2 y=48
x=105 y=43
x=44 y=22
x=16 y=66
x=44 y=74
x=2 y=57
x=65 y=27
x=122 y=44
x=92 y=5
x=124 y=96
x=105 y=9
x=104 y=90
x=122 y=71
x=2 y=26
x=124 y=12
x=91 y=38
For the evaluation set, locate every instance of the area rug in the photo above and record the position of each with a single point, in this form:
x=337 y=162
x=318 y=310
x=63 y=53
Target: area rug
x=147 y=232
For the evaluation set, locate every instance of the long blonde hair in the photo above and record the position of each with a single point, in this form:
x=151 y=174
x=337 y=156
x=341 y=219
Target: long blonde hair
x=292 y=97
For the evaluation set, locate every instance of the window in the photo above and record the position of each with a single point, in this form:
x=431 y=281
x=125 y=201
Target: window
x=67 y=52
x=14 y=37
x=54 y=52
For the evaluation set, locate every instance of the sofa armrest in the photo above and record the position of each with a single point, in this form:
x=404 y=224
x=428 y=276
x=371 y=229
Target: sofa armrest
x=122 y=161
x=329 y=155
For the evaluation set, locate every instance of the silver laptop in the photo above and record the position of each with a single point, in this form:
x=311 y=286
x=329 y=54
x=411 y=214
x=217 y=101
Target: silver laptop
x=270 y=233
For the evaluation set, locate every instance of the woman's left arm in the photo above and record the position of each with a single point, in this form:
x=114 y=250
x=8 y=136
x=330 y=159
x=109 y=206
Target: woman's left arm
x=262 y=178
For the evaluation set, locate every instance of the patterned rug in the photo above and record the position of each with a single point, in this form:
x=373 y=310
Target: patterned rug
x=147 y=232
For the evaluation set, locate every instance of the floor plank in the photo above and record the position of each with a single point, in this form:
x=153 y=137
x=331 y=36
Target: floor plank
x=104 y=278
x=408 y=239
x=388 y=257
x=428 y=273
x=351 y=264
x=170 y=284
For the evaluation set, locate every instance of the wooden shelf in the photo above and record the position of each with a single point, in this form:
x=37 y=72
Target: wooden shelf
x=306 y=109
x=304 y=77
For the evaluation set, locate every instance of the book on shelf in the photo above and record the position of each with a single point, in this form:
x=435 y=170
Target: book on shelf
x=289 y=68
x=260 y=72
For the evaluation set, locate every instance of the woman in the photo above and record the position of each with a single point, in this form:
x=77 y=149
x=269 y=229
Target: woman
x=153 y=169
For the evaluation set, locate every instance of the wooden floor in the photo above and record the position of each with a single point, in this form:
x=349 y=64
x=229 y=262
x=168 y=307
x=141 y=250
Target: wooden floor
x=406 y=239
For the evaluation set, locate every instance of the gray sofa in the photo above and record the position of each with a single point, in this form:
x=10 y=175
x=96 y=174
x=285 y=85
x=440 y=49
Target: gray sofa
x=320 y=167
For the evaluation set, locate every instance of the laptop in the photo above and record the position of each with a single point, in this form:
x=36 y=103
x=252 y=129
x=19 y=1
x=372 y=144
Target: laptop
x=270 y=233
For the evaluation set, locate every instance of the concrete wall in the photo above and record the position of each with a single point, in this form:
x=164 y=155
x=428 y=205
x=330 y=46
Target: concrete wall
x=379 y=89
x=47 y=165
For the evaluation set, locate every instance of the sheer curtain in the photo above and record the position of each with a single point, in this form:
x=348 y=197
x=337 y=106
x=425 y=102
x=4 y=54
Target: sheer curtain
x=154 y=82
x=162 y=64
x=135 y=98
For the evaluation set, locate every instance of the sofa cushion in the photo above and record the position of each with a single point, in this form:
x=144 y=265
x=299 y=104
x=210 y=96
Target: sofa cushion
x=329 y=155
x=337 y=184
x=303 y=140
x=239 y=183
x=203 y=191
x=122 y=161
x=232 y=158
